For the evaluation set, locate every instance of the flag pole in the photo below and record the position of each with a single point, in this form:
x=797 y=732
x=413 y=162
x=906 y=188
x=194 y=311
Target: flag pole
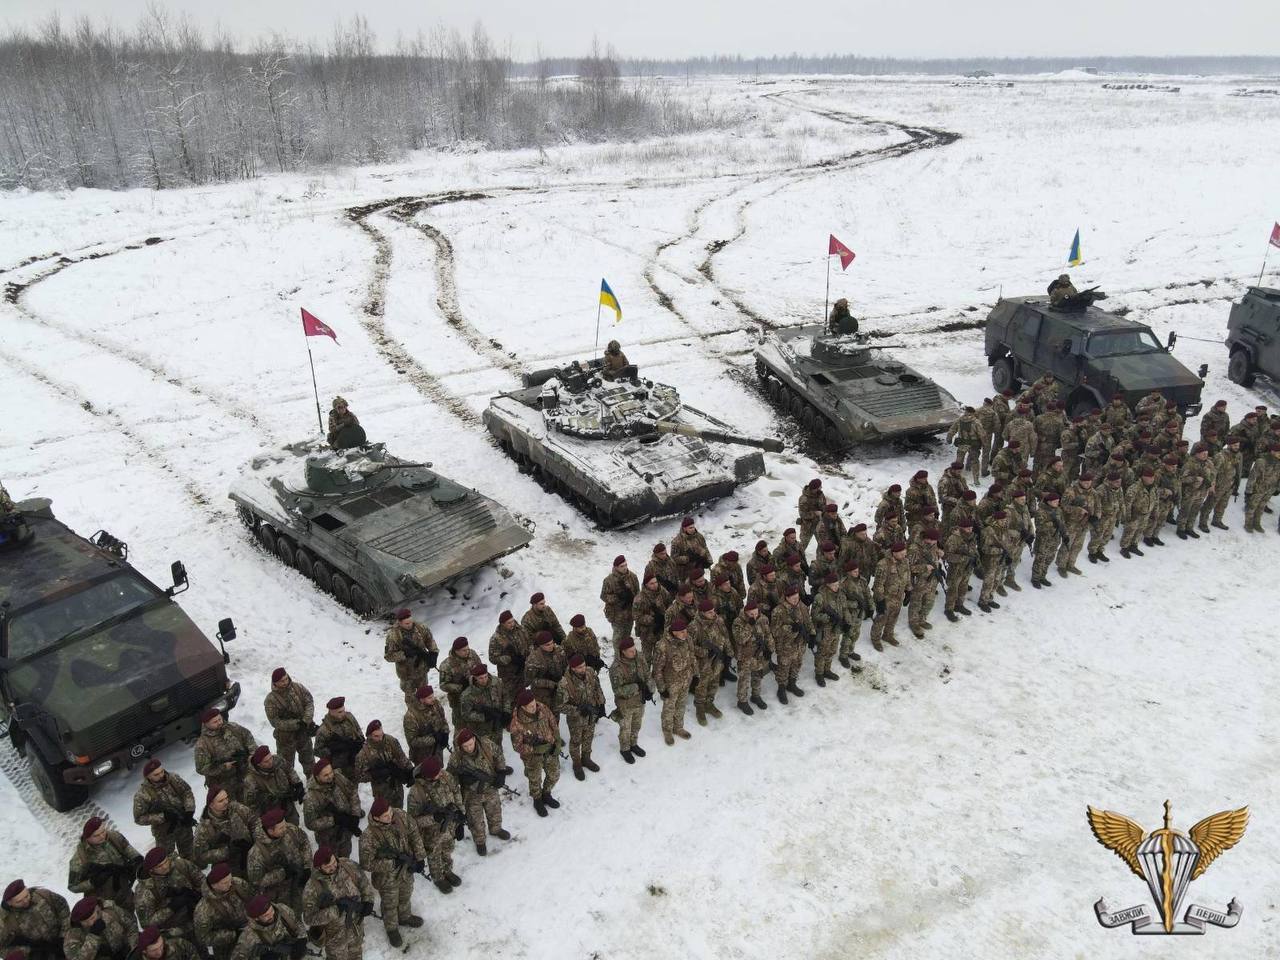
x=826 y=301
x=1264 y=262
x=598 y=305
x=315 y=389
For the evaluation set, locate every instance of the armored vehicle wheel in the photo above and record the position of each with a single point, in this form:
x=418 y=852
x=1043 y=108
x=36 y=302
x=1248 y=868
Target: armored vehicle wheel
x=1002 y=376
x=304 y=562
x=809 y=419
x=341 y=588
x=246 y=516
x=762 y=371
x=774 y=389
x=322 y=576
x=286 y=551
x=48 y=782
x=267 y=538
x=1240 y=369
x=361 y=603
x=797 y=405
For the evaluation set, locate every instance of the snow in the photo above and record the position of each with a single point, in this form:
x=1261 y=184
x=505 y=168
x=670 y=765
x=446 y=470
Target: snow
x=932 y=807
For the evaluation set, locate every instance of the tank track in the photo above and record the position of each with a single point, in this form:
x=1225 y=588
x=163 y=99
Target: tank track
x=816 y=423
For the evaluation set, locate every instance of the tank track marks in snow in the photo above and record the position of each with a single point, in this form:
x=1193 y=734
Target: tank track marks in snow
x=62 y=827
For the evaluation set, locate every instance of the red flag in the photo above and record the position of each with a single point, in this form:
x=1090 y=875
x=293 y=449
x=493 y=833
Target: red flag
x=835 y=247
x=313 y=326
x=1275 y=235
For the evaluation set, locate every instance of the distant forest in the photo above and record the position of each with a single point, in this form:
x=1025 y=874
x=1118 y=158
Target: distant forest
x=163 y=105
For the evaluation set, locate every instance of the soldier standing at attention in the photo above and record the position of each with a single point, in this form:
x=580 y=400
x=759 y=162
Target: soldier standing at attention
x=828 y=617
x=1197 y=486
x=435 y=804
x=582 y=639
x=1226 y=480
x=952 y=487
x=508 y=649
x=961 y=554
x=1264 y=481
x=580 y=699
x=994 y=546
x=649 y=611
x=222 y=753
x=339 y=737
x=661 y=565
x=391 y=850
x=340 y=417
x=426 y=731
x=103 y=865
x=100 y=930
x=689 y=549
x=280 y=860
x=809 y=511
x=893 y=579
x=1000 y=404
x=225 y=833
x=1019 y=427
x=275 y=932
x=220 y=914
x=920 y=502
x=544 y=668
x=455 y=675
x=858 y=605
x=791 y=629
x=1050 y=535
x=335 y=902
x=479 y=774
x=1079 y=509
x=485 y=710
x=412 y=648
x=989 y=420
x=711 y=646
x=1139 y=502
x=672 y=674
x=381 y=763
x=967 y=434
x=925 y=562
x=629 y=678
x=761 y=556
x=166 y=804
x=168 y=890
x=332 y=808
x=535 y=735
x=753 y=650
x=890 y=502
x=33 y=920
x=1110 y=503
x=618 y=593
x=540 y=617
x=291 y=712
x=272 y=785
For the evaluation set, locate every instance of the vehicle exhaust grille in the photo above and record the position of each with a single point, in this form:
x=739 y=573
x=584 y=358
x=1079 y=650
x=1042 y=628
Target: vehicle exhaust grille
x=432 y=536
x=901 y=401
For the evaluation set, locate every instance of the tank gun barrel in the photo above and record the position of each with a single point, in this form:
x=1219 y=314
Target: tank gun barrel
x=716 y=436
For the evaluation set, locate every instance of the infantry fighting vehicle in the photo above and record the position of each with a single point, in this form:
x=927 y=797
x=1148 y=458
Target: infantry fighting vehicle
x=1253 y=337
x=99 y=668
x=845 y=390
x=1094 y=355
x=625 y=450
x=371 y=529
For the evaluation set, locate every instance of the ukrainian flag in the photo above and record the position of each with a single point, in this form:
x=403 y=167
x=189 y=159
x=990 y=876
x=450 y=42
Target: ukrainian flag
x=1074 y=258
x=607 y=299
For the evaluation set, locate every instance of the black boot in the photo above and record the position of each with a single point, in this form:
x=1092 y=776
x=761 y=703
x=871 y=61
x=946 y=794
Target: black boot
x=855 y=657
x=577 y=772
x=759 y=702
x=1157 y=542
x=626 y=755
x=746 y=708
x=830 y=675
x=965 y=610
x=1103 y=557
x=1037 y=582
x=1093 y=558
x=549 y=800
x=637 y=750
x=820 y=680
x=1192 y=534
x=844 y=661
x=1136 y=551
x=950 y=615
x=1182 y=535
x=782 y=694
x=539 y=806
x=794 y=690
x=1124 y=552
x=503 y=834
x=728 y=675
x=993 y=605
x=984 y=606
x=1220 y=525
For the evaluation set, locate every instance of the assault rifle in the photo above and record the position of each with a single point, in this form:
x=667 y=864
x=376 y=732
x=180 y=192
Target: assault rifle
x=405 y=861
x=294 y=948
x=590 y=711
x=348 y=822
x=175 y=819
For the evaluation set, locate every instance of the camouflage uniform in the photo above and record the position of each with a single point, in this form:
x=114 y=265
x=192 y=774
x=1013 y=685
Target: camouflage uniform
x=989 y=420
x=1049 y=529
x=327 y=806
x=673 y=666
x=689 y=549
x=808 y=513
x=629 y=679
x=830 y=526
x=923 y=558
x=1197 y=485
x=759 y=558
x=858 y=606
x=425 y=730
x=436 y=809
x=790 y=626
x=291 y=713
x=337 y=421
x=1264 y=481
x=225 y=839
x=535 y=621
x=487 y=711
x=829 y=620
x=168 y=808
x=414 y=652
x=391 y=853
x=618 y=592
x=455 y=676
x=1079 y=509
x=711 y=646
x=1110 y=498
x=614 y=362
x=767 y=594
x=478 y=774
x=169 y=901
x=277 y=788
x=1226 y=478
x=863 y=551
x=340 y=740
x=648 y=611
x=116 y=940
x=1098 y=450
x=961 y=553
x=284 y=937
x=1019 y=427
x=280 y=866
x=1000 y=406
x=1071 y=444
x=661 y=565
x=889 y=503
x=583 y=640
x=222 y=756
x=1005 y=466
x=921 y=504
x=728 y=602
x=893 y=579
x=1167 y=494
x=1048 y=426
x=105 y=871
x=1139 y=502
x=952 y=487
x=537 y=739
x=969 y=437
x=581 y=701
x=220 y=917
x=542 y=672
x=37 y=929
x=383 y=765
x=334 y=905
x=994 y=547
x=508 y=649
x=753 y=650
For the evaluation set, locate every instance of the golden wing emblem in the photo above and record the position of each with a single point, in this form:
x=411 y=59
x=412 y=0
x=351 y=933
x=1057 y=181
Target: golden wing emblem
x=1118 y=834
x=1212 y=835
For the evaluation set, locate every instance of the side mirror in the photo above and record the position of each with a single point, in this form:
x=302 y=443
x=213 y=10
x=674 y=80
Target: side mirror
x=1066 y=346
x=226 y=630
x=1173 y=338
x=179 y=573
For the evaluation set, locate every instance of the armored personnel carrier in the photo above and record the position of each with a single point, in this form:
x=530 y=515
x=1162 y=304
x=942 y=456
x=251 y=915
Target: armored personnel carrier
x=624 y=450
x=99 y=667
x=373 y=530
x=846 y=391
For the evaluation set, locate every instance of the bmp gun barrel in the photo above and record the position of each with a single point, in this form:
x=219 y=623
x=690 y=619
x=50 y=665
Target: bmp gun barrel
x=716 y=436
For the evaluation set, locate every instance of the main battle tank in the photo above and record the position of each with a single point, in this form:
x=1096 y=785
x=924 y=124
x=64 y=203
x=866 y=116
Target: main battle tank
x=373 y=530
x=847 y=391
x=625 y=450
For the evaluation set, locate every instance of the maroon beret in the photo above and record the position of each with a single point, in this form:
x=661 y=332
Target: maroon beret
x=404 y=613
x=218 y=872
x=83 y=909
x=751 y=605
x=626 y=643
x=831 y=508
x=789 y=532
x=860 y=528
x=577 y=620
x=155 y=856
x=543 y=637
x=895 y=488
x=898 y=547
x=371 y=726
x=536 y=599
x=966 y=522
x=686 y=522
x=320 y=765
x=826 y=546
x=850 y=566
x=731 y=556
x=150 y=767
x=815 y=483
x=209 y=715
x=424 y=691
x=721 y=579
x=999 y=515
x=212 y=794
x=678 y=625
x=921 y=475
x=323 y=854
x=619 y=560
x=148 y=936
x=761 y=545
x=259 y=755
x=272 y=817
x=659 y=548
x=336 y=703
x=465 y=734
x=14 y=888
x=933 y=535
x=830 y=578
x=431 y=766
x=458 y=643
x=524 y=698
x=90 y=827
x=577 y=660
x=791 y=590
x=278 y=674
x=479 y=670
x=258 y=905
x=505 y=615
x=380 y=806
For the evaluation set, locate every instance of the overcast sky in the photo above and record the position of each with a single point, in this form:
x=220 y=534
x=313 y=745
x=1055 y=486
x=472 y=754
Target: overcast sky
x=677 y=28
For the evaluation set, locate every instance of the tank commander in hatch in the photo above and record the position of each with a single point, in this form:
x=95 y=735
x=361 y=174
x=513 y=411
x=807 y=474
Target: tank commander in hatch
x=841 y=320
x=615 y=362
x=339 y=418
x=1061 y=290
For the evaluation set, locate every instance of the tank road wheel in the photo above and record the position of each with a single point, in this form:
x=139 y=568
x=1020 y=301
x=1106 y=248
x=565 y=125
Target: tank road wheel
x=797 y=405
x=267 y=538
x=1240 y=368
x=304 y=562
x=361 y=603
x=1002 y=375
x=341 y=587
x=56 y=792
x=246 y=516
x=322 y=576
x=762 y=371
x=809 y=419
x=286 y=551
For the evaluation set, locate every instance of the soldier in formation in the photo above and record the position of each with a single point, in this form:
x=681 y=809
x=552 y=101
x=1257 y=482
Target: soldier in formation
x=436 y=807
x=33 y=920
x=411 y=647
x=391 y=851
x=535 y=736
x=475 y=766
x=291 y=711
x=103 y=865
x=164 y=802
x=222 y=753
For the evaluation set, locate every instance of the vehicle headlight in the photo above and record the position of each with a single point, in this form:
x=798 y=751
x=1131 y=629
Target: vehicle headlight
x=72 y=757
x=103 y=768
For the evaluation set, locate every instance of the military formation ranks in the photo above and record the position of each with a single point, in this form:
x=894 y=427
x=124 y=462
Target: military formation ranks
x=270 y=863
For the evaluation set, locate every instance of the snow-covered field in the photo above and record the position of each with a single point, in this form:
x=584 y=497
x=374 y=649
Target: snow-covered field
x=932 y=806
